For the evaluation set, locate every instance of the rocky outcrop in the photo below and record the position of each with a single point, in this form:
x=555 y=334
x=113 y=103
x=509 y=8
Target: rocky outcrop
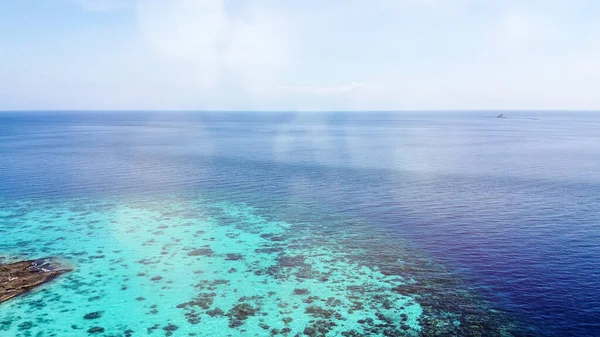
x=20 y=277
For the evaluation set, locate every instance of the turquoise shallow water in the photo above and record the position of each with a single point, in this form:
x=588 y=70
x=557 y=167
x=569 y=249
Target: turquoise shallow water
x=191 y=267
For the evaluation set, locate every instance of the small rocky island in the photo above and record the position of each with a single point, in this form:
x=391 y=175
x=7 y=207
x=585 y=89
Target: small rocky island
x=20 y=277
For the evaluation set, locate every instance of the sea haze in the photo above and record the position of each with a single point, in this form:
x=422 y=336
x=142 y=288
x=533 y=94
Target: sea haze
x=415 y=223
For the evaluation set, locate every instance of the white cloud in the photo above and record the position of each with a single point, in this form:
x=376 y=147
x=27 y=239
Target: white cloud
x=261 y=45
x=528 y=28
x=248 y=48
x=182 y=29
x=185 y=35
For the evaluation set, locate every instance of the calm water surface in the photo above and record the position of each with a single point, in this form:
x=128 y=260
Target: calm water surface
x=337 y=224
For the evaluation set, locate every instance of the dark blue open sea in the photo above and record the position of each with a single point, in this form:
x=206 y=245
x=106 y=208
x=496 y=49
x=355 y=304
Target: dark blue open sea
x=304 y=224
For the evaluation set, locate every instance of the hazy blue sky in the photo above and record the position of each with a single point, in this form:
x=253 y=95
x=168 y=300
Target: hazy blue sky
x=299 y=54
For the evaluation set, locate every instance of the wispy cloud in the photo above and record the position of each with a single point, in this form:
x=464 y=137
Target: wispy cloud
x=314 y=90
x=105 y=5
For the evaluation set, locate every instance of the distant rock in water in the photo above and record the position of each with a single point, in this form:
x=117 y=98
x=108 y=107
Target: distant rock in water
x=501 y=116
x=20 y=277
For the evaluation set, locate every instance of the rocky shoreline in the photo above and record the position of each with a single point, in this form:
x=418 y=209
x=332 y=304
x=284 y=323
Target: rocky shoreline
x=21 y=277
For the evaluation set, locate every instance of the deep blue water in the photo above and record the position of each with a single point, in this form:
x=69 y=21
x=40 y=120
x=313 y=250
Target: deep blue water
x=509 y=206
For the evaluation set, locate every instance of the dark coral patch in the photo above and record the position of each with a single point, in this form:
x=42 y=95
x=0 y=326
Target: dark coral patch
x=201 y=252
x=93 y=315
x=235 y=323
x=192 y=317
x=170 y=328
x=300 y=291
x=272 y=237
x=242 y=311
x=25 y=326
x=95 y=330
x=319 y=312
x=234 y=257
x=215 y=312
x=203 y=300
x=321 y=328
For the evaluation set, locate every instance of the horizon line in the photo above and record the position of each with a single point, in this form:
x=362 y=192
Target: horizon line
x=299 y=111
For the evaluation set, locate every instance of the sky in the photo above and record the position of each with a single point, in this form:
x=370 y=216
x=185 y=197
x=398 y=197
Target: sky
x=299 y=55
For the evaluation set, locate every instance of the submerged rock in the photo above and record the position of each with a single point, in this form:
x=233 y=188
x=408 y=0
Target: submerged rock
x=20 y=277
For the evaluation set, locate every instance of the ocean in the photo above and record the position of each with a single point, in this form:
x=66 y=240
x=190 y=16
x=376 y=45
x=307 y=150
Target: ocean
x=304 y=224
